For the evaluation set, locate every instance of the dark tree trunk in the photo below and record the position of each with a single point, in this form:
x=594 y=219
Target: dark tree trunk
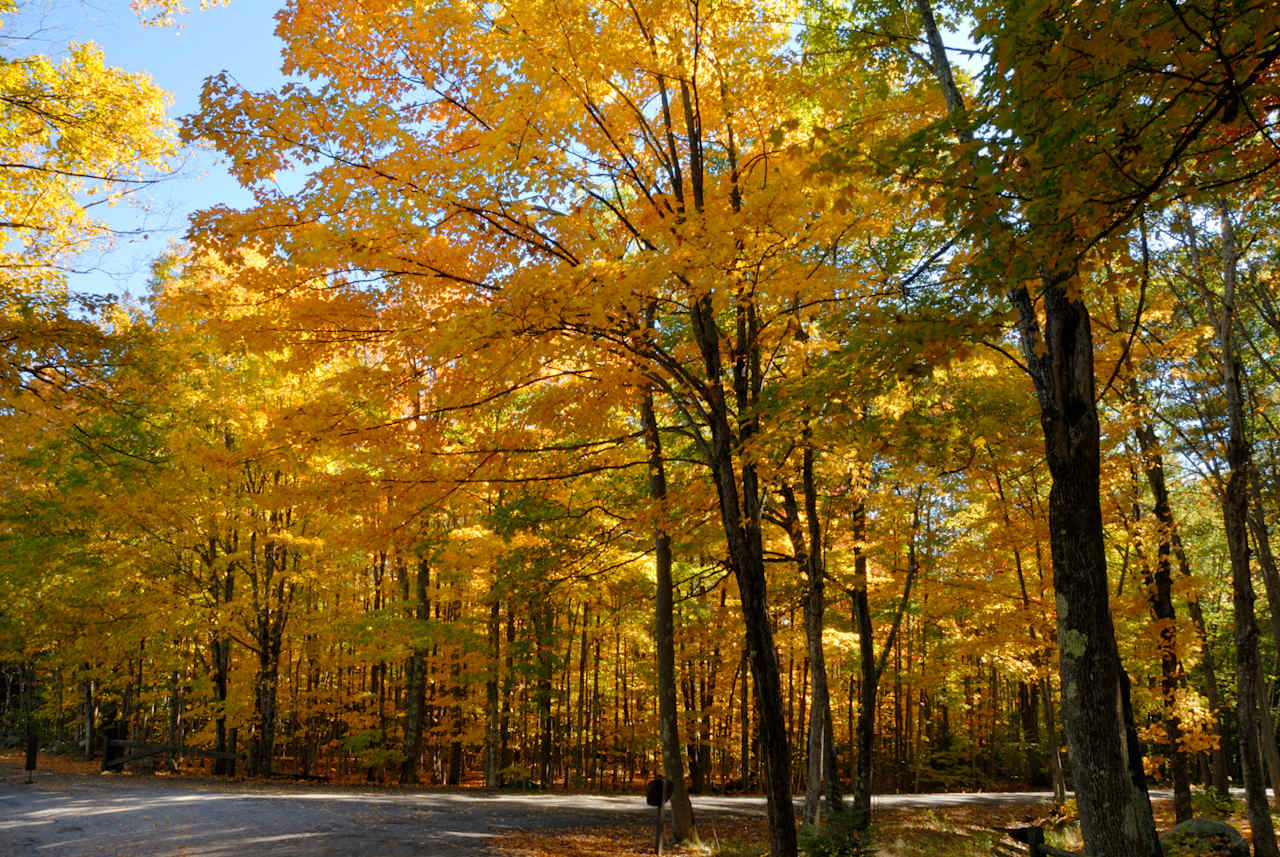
x=1170 y=547
x=491 y=700
x=415 y=687
x=1158 y=583
x=1055 y=756
x=866 y=734
x=264 y=707
x=1111 y=790
x=806 y=543
x=1271 y=581
x=271 y=595
x=220 y=655
x=869 y=678
x=739 y=495
x=543 y=625
x=1029 y=721
x=1235 y=512
x=664 y=633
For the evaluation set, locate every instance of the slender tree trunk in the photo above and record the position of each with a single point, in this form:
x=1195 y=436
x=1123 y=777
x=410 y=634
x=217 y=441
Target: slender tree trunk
x=821 y=743
x=1267 y=736
x=88 y=712
x=744 y=717
x=220 y=656
x=264 y=708
x=543 y=625
x=220 y=659
x=739 y=495
x=1055 y=755
x=1266 y=559
x=415 y=688
x=807 y=547
x=1271 y=582
x=1235 y=511
x=1171 y=544
x=664 y=632
x=870 y=677
x=491 y=748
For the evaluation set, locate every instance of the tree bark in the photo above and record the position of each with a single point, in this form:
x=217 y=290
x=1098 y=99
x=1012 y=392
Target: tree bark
x=1235 y=511
x=415 y=689
x=491 y=725
x=739 y=500
x=807 y=547
x=1106 y=758
x=664 y=632
x=1271 y=582
x=1111 y=790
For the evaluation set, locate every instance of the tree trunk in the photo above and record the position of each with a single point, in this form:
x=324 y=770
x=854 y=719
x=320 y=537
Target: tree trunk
x=264 y=707
x=1171 y=543
x=870 y=677
x=664 y=632
x=1271 y=581
x=1055 y=756
x=220 y=655
x=415 y=688
x=744 y=716
x=1111 y=790
x=1235 y=512
x=807 y=547
x=491 y=749
x=822 y=769
x=543 y=625
x=739 y=499
x=1159 y=587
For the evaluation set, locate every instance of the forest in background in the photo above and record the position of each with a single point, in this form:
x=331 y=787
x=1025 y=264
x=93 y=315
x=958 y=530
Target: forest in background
x=598 y=390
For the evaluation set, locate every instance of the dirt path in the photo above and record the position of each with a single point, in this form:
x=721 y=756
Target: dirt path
x=72 y=815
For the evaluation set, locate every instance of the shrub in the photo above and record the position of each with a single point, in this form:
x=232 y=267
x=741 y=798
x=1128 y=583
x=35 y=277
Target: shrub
x=843 y=835
x=1212 y=803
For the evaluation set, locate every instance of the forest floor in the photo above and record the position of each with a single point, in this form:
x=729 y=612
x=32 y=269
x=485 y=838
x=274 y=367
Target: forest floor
x=72 y=811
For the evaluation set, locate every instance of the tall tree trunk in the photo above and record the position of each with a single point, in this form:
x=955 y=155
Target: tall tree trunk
x=220 y=656
x=866 y=735
x=1266 y=559
x=1271 y=582
x=544 y=622
x=1159 y=588
x=1235 y=511
x=89 y=718
x=1055 y=756
x=1110 y=784
x=739 y=499
x=664 y=631
x=1171 y=543
x=821 y=742
x=807 y=546
x=491 y=748
x=744 y=717
x=415 y=687
x=266 y=684
x=871 y=667
x=1111 y=790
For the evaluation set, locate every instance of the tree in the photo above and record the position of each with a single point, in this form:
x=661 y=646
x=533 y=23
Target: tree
x=1054 y=228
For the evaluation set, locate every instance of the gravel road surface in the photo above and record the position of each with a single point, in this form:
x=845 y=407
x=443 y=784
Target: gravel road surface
x=70 y=815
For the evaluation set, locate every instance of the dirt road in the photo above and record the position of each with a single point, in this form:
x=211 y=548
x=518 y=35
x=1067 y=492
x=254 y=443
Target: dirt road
x=70 y=815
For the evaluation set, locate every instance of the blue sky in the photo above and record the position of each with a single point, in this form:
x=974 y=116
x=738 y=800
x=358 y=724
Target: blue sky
x=238 y=38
